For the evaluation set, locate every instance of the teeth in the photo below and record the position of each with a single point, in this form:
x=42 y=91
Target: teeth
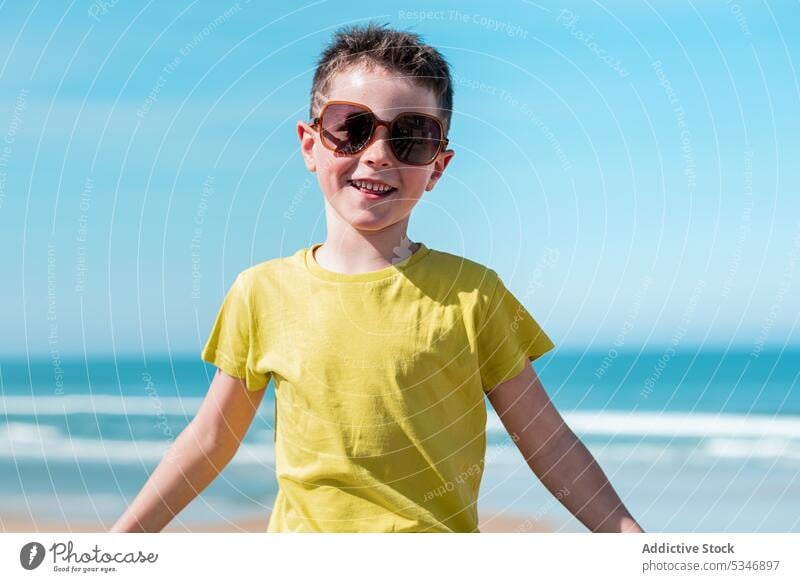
x=371 y=187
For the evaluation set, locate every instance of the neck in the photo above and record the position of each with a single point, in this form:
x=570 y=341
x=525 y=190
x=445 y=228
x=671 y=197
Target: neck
x=349 y=250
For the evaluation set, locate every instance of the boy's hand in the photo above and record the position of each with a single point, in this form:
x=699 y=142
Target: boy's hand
x=196 y=457
x=557 y=456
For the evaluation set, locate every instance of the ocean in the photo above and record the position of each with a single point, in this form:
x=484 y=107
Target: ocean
x=692 y=440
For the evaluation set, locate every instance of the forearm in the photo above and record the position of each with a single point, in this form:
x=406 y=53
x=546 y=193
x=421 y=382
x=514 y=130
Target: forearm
x=568 y=470
x=188 y=467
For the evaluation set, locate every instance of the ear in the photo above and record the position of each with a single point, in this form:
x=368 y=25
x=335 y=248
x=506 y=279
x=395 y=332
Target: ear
x=307 y=140
x=441 y=162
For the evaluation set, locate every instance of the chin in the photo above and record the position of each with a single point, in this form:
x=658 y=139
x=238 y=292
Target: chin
x=365 y=223
x=370 y=221
x=375 y=218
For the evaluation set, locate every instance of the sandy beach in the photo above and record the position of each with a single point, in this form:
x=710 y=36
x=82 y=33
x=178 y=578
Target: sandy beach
x=489 y=523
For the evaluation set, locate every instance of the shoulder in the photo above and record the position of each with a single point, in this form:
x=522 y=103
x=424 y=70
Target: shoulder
x=464 y=273
x=272 y=267
x=268 y=274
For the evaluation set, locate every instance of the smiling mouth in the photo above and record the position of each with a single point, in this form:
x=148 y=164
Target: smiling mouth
x=373 y=192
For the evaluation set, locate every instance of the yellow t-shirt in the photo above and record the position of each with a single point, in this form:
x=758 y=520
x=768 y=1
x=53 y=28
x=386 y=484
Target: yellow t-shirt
x=379 y=382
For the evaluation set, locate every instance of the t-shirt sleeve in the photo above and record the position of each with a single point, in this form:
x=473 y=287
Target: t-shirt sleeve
x=231 y=346
x=509 y=337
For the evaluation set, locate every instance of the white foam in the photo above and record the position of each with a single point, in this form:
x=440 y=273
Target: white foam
x=645 y=424
x=652 y=453
x=99 y=404
x=21 y=441
x=24 y=432
x=753 y=449
x=674 y=424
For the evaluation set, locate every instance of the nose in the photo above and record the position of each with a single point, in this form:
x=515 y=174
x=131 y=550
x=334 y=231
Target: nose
x=379 y=151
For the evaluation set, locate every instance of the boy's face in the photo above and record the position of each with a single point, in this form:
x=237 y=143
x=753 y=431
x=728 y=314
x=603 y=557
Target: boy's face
x=387 y=95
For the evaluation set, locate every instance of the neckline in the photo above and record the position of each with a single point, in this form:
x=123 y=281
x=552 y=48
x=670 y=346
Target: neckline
x=392 y=270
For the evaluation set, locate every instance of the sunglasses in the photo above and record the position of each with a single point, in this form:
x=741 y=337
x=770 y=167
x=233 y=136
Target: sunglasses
x=348 y=128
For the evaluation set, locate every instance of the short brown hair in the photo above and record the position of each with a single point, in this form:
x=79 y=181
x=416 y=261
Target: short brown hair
x=397 y=51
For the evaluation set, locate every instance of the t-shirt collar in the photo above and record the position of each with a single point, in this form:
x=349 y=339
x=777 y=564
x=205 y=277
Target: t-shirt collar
x=391 y=271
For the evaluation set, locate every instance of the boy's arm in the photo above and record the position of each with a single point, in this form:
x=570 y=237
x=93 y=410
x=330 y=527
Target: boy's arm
x=198 y=455
x=557 y=456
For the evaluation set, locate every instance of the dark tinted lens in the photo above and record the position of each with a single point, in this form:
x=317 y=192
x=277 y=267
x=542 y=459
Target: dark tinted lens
x=347 y=128
x=416 y=138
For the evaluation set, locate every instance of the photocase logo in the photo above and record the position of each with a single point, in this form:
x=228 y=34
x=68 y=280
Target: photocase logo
x=31 y=555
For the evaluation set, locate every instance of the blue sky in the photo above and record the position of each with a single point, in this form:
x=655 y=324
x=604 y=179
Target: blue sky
x=630 y=171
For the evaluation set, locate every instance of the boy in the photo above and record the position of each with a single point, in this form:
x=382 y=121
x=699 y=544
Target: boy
x=381 y=349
